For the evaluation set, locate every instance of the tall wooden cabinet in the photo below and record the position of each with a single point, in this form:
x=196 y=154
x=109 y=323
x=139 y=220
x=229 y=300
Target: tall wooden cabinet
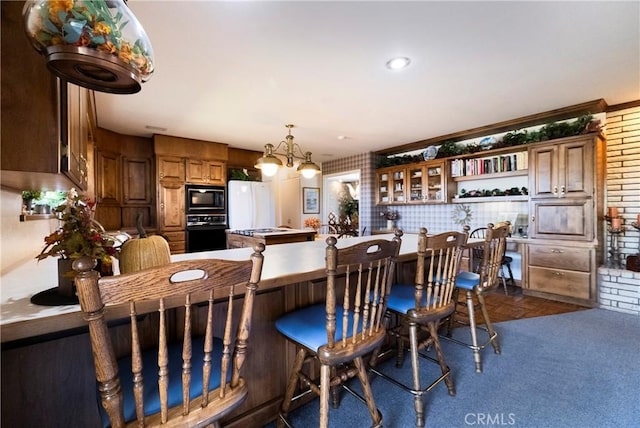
x=563 y=193
x=124 y=185
x=566 y=181
x=180 y=161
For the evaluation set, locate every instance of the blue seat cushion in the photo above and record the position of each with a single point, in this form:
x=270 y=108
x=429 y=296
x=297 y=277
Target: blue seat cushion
x=467 y=280
x=150 y=374
x=402 y=298
x=307 y=326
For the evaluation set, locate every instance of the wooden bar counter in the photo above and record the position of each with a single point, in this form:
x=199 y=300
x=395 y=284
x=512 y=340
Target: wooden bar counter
x=47 y=368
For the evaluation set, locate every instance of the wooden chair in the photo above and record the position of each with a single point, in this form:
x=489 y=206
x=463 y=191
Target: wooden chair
x=476 y=285
x=478 y=254
x=159 y=386
x=343 y=329
x=420 y=308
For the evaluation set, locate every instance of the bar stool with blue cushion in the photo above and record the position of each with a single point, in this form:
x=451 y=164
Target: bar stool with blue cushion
x=478 y=254
x=194 y=379
x=420 y=308
x=341 y=331
x=476 y=285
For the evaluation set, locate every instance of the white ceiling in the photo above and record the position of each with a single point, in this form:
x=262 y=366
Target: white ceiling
x=236 y=72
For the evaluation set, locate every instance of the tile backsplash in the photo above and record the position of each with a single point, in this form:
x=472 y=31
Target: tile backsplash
x=440 y=218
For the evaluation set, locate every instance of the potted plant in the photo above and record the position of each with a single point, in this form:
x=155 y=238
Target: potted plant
x=80 y=235
x=28 y=196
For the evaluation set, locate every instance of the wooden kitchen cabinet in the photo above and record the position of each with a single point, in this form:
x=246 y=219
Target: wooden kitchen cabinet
x=108 y=177
x=171 y=206
x=171 y=168
x=137 y=180
x=566 y=272
x=566 y=187
x=562 y=169
x=124 y=184
x=562 y=219
x=566 y=180
x=45 y=124
x=419 y=183
x=206 y=172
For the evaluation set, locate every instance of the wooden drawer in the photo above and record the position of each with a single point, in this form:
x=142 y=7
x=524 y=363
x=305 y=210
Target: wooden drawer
x=176 y=240
x=174 y=236
x=560 y=281
x=571 y=258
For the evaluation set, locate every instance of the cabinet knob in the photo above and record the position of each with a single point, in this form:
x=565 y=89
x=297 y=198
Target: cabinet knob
x=161 y=175
x=562 y=191
x=555 y=190
x=162 y=205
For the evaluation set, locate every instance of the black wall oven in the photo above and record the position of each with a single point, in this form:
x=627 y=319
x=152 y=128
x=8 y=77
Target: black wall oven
x=206 y=232
x=203 y=199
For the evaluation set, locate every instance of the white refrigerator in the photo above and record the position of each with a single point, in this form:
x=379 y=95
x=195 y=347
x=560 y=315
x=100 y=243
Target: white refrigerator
x=251 y=205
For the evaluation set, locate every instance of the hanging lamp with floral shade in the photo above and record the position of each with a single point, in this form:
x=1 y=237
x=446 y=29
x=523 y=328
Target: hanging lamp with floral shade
x=97 y=44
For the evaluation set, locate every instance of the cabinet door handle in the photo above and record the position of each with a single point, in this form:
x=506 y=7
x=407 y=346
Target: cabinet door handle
x=558 y=274
x=555 y=190
x=162 y=205
x=161 y=175
x=561 y=191
x=557 y=251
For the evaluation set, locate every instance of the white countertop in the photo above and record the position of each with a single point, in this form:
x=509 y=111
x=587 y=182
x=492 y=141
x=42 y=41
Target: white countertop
x=284 y=264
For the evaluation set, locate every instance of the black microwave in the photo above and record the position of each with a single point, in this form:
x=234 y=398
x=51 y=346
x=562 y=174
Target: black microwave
x=205 y=199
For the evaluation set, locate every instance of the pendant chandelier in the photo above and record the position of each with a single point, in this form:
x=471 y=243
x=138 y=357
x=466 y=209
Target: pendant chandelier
x=269 y=162
x=98 y=45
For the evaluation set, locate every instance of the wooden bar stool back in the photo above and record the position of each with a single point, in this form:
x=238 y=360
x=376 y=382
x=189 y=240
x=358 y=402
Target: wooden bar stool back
x=420 y=308
x=476 y=285
x=349 y=325
x=193 y=380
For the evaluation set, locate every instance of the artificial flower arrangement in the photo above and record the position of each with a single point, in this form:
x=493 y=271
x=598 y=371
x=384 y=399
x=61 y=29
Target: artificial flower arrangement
x=88 y=24
x=312 y=222
x=80 y=235
x=390 y=214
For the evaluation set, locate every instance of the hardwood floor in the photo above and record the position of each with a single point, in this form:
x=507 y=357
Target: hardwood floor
x=515 y=305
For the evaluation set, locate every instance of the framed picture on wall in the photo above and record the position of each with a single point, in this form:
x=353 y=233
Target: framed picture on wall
x=311 y=200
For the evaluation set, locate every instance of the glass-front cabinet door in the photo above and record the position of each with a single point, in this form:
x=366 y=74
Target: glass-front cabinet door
x=383 y=190
x=417 y=180
x=436 y=183
x=419 y=183
x=391 y=185
x=397 y=185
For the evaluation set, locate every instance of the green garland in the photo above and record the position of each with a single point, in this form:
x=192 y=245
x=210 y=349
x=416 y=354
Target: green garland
x=550 y=131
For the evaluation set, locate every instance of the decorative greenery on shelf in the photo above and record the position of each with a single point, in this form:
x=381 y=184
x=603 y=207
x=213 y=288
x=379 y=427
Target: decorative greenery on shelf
x=582 y=125
x=240 y=174
x=33 y=195
x=494 y=192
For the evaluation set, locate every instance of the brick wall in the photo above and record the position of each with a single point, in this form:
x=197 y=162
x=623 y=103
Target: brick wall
x=619 y=289
x=623 y=173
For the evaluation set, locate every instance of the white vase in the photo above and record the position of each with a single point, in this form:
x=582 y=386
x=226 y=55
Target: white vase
x=389 y=224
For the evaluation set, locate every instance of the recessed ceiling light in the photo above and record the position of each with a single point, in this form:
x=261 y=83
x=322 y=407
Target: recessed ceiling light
x=341 y=137
x=398 y=63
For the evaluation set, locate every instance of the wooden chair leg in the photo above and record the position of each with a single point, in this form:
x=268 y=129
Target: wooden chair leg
x=325 y=386
x=335 y=391
x=474 y=333
x=433 y=330
x=368 y=394
x=291 y=386
x=418 y=404
x=492 y=334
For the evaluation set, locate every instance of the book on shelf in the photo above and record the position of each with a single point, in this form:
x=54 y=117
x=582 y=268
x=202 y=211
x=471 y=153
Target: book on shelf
x=489 y=164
